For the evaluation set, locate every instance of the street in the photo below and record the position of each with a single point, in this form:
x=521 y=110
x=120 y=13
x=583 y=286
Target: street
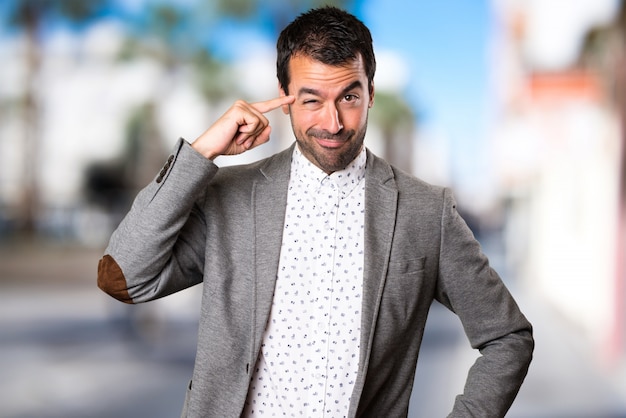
x=68 y=350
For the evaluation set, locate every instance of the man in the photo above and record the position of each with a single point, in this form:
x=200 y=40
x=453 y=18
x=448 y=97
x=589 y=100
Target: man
x=319 y=263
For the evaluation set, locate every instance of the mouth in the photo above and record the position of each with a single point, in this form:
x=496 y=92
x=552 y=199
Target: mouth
x=327 y=140
x=330 y=143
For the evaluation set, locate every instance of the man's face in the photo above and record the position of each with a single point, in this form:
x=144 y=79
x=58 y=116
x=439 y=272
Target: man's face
x=329 y=115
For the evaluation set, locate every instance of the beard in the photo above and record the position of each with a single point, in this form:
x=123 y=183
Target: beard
x=331 y=159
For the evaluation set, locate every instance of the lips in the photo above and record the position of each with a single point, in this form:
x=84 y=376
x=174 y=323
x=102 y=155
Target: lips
x=330 y=143
x=328 y=140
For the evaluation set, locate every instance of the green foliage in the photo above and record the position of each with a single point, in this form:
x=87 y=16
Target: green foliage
x=32 y=13
x=391 y=112
x=278 y=12
x=213 y=78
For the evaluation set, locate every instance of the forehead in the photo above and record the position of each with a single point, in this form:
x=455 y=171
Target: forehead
x=306 y=72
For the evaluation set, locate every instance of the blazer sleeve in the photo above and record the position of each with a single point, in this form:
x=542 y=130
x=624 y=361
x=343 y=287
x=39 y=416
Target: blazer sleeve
x=490 y=316
x=158 y=248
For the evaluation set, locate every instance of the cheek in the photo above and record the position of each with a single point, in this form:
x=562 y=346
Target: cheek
x=302 y=119
x=356 y=118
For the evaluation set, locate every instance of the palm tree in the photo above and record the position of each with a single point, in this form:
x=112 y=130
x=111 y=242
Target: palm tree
x=167 y=34
x=278 y=12
x=31 y=17
x=396 y=120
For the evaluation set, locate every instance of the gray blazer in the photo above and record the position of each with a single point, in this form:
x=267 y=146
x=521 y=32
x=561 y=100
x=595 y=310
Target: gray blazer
x=223 y=227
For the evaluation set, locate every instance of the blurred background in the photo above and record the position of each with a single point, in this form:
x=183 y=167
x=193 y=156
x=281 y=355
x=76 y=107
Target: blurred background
x=518 y=105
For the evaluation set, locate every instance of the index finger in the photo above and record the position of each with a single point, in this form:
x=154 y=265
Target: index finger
x=272 y=104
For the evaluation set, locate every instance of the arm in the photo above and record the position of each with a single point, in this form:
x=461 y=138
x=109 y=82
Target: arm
x=158 y=248
x=491 y=319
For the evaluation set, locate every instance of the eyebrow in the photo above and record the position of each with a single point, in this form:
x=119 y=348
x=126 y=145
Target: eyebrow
x=315 y=92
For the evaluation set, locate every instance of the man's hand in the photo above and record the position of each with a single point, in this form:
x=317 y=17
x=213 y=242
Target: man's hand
x=241 y=128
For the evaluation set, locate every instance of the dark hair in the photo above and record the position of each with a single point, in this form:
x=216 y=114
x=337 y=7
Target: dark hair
x=328 y=35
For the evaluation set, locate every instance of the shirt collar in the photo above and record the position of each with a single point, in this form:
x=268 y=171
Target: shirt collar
x=312 y=176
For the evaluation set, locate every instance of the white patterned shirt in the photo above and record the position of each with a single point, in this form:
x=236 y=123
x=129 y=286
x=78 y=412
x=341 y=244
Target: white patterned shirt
x=309 y=356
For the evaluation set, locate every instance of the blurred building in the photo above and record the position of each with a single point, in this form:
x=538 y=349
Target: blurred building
x=558 y=143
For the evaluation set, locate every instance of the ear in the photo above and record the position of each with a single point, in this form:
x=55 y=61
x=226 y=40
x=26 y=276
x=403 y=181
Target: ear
x=371 y=103
x=283 y=94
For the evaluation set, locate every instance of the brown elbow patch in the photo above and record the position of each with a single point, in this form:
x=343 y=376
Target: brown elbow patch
x=111 y=279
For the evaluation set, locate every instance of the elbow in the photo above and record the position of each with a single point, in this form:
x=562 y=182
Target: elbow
x=527 y=347
x=111 y=279
x=521 y=348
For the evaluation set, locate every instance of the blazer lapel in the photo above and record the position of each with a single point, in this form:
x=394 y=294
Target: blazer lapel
x=269 y=200
x=381 y=199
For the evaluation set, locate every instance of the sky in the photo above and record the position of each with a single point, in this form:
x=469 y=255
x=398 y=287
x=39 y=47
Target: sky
x=445 y=44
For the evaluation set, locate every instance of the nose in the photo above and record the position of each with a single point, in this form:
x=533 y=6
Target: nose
x=331 y=120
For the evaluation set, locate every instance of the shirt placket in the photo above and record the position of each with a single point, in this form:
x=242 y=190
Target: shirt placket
x=327 y=199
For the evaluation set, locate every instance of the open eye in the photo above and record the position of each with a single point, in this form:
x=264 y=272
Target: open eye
x=349 y=98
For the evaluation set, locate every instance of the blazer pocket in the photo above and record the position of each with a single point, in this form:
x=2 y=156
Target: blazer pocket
x=406 y=266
